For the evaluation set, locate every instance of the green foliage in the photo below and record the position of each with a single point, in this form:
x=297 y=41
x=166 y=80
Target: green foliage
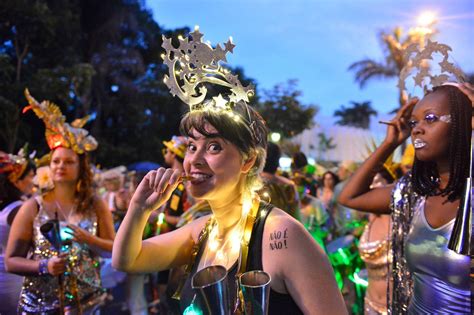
x=283 y=111
x=89 y=57
x=103 y=58
x=358 y=115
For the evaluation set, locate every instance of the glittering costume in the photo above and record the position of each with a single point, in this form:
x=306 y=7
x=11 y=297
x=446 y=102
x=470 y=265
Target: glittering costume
x=377 y=258
x=422 y=266
x=40 y=293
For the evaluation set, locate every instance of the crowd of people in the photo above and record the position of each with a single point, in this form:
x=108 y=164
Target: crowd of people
x=347 y=238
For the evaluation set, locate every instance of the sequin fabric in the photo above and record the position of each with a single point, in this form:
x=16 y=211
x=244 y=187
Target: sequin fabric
x=40 y=293
x=403 y=200
x=376 y=255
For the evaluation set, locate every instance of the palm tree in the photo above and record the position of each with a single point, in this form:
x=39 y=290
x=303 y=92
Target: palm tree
x=394 y=46
x=358 y=115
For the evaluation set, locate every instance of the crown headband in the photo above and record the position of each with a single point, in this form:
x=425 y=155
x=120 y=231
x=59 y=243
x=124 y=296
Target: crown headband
x=58 y=132
x=418 y=62
x=195 y=63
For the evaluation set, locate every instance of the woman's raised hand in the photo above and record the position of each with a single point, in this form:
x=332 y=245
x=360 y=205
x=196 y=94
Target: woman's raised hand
x=398 y=129
x=156 y=188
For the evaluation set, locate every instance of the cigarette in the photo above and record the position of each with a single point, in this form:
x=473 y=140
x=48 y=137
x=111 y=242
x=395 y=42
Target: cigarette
x=387 y=123
x=186 y=178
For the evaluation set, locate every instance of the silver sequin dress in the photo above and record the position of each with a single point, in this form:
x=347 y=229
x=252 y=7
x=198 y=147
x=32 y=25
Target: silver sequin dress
x=40 y=293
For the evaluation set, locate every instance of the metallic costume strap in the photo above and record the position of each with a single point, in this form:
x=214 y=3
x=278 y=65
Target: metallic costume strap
x=194 y=251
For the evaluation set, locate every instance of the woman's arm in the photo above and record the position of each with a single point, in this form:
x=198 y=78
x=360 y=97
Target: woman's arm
x=356 y=194
x=130 y=253
x=20 y=242
x=102 y=242
x=299 y=266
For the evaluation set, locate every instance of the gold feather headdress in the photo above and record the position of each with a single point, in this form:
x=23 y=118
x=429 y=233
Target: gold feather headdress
x=58 y=132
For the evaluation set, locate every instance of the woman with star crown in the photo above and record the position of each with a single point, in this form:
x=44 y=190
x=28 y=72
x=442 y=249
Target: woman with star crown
x=222 y=164
x=428 y=278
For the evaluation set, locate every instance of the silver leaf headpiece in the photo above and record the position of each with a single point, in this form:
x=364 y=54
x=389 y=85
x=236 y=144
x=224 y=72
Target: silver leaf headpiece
x=420 y=63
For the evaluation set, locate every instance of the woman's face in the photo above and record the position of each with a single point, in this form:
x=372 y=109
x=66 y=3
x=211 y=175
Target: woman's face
x=329 y=181
x=64 y=165
x=215 y=164
x=430 y=123
x=25 y=185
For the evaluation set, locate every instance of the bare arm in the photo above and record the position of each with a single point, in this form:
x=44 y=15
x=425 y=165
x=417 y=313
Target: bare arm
x=356 y=193
x=20 y=242
x=299 y=266
x=130 y=253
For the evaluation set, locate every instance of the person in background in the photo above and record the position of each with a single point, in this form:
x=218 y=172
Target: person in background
x=16 y=185
x=343 y=217
x=280 y=191
x=116 y=197
x=173 y=153
x=326 y=191
x=374 y=248
x=85 y=224
x=303 y=175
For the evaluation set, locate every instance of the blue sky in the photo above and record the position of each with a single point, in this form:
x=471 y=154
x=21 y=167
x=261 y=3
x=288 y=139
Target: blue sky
x=316 y=41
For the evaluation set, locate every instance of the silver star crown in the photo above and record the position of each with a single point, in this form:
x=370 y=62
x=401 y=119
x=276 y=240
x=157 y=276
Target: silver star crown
x=194 y=63
x=419 y=62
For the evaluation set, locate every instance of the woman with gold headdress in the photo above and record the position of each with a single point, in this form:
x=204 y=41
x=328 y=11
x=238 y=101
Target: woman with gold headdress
x=16 y=184
x=61 y=272
x=225 y=154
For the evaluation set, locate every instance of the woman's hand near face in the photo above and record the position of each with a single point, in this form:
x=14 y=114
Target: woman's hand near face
x=155 y=189
x=399 y=130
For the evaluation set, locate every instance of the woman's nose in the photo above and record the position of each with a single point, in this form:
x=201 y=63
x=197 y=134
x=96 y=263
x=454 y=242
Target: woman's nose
x=197 y=158
x=417 y=129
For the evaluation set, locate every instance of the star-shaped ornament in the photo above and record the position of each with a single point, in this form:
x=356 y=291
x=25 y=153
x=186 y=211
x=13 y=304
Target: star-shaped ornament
x=196 y=35
x=229 y=46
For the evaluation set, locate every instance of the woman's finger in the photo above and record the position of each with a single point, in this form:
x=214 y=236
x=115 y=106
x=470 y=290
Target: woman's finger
x=164 y=181
x=150 y=177
x=160 y=173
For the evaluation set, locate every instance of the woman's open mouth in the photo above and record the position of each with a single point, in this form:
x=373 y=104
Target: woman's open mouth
x=198 y=178
x=418 y=143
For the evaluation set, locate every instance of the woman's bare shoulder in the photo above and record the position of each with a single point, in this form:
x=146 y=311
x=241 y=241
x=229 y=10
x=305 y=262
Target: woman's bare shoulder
x=283 y=232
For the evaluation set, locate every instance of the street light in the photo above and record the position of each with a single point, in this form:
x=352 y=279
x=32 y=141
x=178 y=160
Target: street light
x=275 y=136
x=427 y=19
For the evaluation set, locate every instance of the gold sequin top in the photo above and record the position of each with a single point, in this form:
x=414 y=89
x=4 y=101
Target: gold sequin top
x=375 y=254
x=40 y=293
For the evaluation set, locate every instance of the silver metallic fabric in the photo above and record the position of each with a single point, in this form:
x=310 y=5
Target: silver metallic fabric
x=440 y=275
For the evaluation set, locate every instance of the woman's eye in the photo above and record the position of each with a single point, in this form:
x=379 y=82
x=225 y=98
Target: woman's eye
x=214 y=147
x=191 y=147
x=412 y=123
x=431 y=118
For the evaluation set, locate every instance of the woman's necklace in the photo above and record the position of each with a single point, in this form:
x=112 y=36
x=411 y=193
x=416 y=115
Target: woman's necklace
x=62 y=212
